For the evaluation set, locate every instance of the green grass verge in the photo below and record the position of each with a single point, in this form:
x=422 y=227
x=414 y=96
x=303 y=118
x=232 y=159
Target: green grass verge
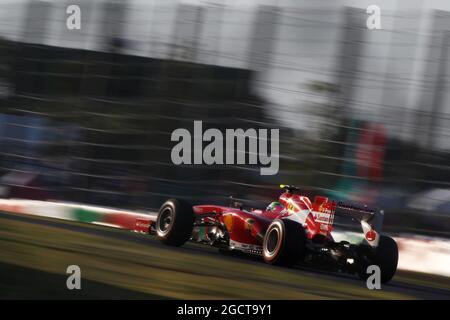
x=147 y=267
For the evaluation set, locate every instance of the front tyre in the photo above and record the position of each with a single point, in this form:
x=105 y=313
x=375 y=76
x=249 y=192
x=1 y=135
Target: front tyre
x=175 y=222
x=385 y=257
x=284 y=243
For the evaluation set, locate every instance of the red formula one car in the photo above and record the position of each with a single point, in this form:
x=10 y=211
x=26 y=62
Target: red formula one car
x=291 y=230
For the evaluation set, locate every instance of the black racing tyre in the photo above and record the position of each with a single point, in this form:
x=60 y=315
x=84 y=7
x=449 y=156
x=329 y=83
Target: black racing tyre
x=175 y=222
x=284 y=243
x=385 y=257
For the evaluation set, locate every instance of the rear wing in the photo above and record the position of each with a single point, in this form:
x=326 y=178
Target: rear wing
x=371 y=219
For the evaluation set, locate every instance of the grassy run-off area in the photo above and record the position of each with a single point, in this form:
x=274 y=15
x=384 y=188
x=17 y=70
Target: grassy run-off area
x=114 y=263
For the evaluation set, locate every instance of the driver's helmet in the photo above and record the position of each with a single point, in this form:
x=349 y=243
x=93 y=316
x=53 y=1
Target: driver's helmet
x=275 y=207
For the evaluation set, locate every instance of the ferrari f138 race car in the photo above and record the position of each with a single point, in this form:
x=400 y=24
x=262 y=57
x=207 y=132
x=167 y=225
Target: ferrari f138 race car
x=289 y=231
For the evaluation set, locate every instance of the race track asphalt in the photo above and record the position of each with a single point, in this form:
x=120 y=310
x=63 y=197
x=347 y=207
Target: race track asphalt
x=118 y=264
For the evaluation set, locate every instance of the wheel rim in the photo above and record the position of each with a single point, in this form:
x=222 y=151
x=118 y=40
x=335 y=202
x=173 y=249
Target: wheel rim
x=165 y=221
x=272 y=244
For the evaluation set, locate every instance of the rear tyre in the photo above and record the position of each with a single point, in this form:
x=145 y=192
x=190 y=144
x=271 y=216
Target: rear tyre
x=175 y=222
x=284 y=243
x=385 y=257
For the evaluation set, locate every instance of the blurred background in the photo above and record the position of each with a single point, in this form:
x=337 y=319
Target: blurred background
x=86 y=115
